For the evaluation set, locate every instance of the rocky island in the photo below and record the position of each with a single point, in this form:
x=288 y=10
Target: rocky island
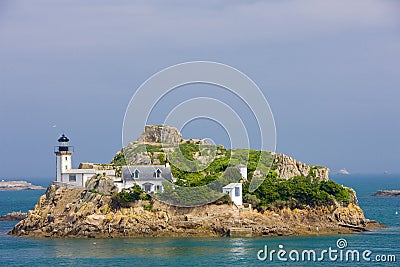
x=66 y=212
x=18 y=185
x=13 y=216
x=294 y=199
x=387 y=193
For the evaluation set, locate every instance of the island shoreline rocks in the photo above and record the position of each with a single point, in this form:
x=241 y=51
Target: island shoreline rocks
x=78 y=213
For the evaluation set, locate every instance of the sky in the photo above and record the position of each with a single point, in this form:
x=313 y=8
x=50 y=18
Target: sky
x=330 y=71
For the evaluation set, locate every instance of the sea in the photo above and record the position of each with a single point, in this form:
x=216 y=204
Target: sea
x=378 y=248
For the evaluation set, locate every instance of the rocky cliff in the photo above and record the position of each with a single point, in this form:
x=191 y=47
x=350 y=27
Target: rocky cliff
x=160 y=134
x=288 y=167
x=67 y=212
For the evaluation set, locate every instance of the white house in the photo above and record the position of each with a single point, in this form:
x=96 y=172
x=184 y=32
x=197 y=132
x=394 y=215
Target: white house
x=234 y=190
x=65 y=174
x=148 y=177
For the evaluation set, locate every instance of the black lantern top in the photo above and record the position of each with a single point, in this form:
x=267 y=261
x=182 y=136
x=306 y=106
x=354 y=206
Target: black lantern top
x=63 y=139
x=63 y=143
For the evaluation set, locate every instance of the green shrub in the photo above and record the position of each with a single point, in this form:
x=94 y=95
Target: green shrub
x=119 y=160
x=189 y=149
x=128 y=196
x=148 y=207
x=297 y=192
x=144 y=196
x=152 y=149
x=340 y=193
x=161 y=158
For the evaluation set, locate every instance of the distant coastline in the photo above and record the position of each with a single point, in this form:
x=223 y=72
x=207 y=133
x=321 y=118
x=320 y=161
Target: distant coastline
x=18 y=185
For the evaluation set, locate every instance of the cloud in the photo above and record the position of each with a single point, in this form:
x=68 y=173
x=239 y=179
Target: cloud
x=136 y=24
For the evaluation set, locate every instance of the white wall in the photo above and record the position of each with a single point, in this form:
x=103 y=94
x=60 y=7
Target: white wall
x=63 y=164
x=153 y=187
x=238 y=200
x=120 y=186
x=66 y=162
x=66 y=177
x=58 y=169
x=128 y=184
x=243 y=172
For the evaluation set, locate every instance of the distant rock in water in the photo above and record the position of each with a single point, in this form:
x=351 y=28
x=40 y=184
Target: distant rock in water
x=387 y=193
x=344 y=172
x=14 y=216
x=18 y=185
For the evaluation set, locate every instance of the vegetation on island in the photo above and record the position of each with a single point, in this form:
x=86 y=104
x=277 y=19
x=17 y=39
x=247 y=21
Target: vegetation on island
x=119 y=160
x=273 y=193
x=224 y=158
x=297 y=192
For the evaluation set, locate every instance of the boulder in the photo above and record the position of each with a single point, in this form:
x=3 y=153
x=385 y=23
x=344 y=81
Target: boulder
x=160 y=134
x=287 y=167
x=101 y=184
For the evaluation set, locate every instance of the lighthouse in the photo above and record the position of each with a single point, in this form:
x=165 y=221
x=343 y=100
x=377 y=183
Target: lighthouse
x=63 y=157
x=66 y=175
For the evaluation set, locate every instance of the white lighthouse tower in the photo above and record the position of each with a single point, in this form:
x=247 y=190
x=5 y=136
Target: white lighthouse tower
x=63 y=157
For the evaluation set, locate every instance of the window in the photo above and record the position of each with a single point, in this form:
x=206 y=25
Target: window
x=72 y=178
x=66 y=167
x=135 y=174
x=66 y=158
x=157 y=174
x=158 y=187
x=237 y=191
x=147 y=188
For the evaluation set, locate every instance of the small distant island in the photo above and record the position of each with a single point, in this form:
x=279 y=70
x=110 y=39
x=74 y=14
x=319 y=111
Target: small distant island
x=387 y=193
x=14 y=216
x=18 y=185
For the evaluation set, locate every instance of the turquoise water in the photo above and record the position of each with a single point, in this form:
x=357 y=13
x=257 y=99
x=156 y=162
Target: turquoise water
x=203 y=251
